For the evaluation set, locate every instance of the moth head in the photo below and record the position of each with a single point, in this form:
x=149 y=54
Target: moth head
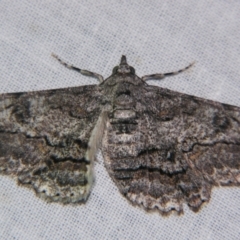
x=123 y=67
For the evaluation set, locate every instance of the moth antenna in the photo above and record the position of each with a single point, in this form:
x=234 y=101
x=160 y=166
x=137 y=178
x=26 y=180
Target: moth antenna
x=158 y=76
x=83 y=72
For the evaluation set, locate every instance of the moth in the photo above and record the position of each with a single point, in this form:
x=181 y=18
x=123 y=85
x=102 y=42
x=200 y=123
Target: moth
x=161 y=148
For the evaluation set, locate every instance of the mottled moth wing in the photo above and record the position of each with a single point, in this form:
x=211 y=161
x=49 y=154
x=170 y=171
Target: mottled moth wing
x=45 y=138
x=164 y=148
x=160 y=147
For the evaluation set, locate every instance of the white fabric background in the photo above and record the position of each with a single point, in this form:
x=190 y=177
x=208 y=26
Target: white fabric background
x=156 y=36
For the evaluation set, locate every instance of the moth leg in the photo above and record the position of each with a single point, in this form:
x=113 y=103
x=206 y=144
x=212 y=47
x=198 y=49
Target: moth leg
x=163 y=75
x=83 y=72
